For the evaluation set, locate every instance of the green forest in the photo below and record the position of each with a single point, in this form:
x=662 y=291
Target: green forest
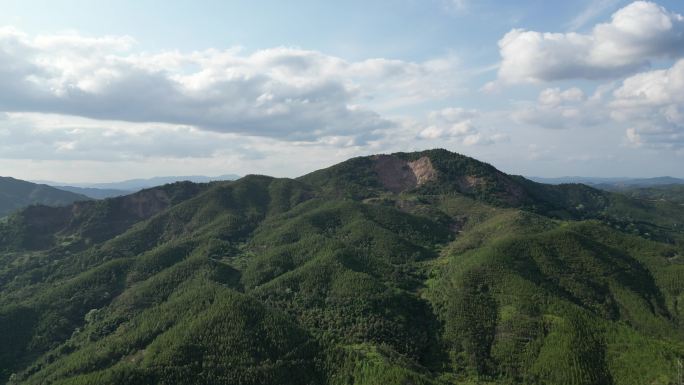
x=426 y=268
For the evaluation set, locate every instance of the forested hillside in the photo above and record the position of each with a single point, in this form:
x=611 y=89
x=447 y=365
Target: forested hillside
x=671 y=193
x=16 y=194
x=426 y=268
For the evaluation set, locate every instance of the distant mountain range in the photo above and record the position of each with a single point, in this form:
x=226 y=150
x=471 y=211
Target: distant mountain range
x=95 y=193
x=16 y=194
x=612 y=183
x=114 y=189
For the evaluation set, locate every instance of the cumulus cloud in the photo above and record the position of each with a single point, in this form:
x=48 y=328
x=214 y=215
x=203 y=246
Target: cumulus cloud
x=457 y=124
x=284 y=93
x=636 y=34
x=652 y=89
x=559 y=109
x=648 y=106
x=652 y=103
x=555 y=97
x=449 y=123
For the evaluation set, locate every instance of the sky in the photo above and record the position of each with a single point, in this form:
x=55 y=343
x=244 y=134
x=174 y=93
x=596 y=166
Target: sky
x=96 y=91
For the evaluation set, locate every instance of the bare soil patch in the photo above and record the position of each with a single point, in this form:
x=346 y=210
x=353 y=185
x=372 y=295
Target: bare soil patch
x=398 y=175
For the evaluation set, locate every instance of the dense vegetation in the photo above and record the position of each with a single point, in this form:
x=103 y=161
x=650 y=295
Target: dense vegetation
x=671 y=193
x=470 y=277
x=16 y=194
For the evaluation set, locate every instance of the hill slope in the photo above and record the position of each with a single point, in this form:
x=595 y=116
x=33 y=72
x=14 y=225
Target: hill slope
x=15 y=194
x=421 y=268
x=668 y=193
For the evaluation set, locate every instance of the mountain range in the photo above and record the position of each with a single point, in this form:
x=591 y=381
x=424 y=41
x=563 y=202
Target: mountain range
x=425 y=268
x=613 y=183
x=114 y=189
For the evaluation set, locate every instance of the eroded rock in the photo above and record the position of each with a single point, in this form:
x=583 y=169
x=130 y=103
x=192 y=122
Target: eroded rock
x=398 y=175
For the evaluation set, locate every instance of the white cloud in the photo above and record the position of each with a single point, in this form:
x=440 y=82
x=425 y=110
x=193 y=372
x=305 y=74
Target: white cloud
x=66 y=148
x=283 y=93
x=554 y=96
x=636 y=34
x=657 y=88
x=54 y=137
x=648 y=106
x=459 y=125
x=482 y=139
x=652 y=103
x=559 y=109
x=449 y=123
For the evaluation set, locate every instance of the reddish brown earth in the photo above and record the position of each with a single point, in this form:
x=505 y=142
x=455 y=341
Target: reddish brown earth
x=423 y=170
x=398 y=175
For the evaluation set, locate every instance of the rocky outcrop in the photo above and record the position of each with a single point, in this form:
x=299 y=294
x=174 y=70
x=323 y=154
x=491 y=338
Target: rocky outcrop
x=398 y=175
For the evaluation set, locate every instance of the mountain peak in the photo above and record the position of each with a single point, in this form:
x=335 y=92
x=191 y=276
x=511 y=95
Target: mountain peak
x=436 y=170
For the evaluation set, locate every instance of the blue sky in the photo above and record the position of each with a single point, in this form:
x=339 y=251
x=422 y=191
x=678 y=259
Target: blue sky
x=106 y=90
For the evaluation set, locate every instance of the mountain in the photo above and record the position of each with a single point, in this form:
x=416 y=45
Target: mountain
x=116 y=189
x=133 y=185
x=613 y=183
x=659 y=188
x=95 y=193
x=139 y=184
x=15 y=194
x=426 y=268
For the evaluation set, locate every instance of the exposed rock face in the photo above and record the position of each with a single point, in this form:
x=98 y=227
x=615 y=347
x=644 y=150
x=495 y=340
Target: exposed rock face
x=423 y=170
x=398 y=175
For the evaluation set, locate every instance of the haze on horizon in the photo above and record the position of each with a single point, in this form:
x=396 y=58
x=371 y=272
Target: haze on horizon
x=122 y=89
